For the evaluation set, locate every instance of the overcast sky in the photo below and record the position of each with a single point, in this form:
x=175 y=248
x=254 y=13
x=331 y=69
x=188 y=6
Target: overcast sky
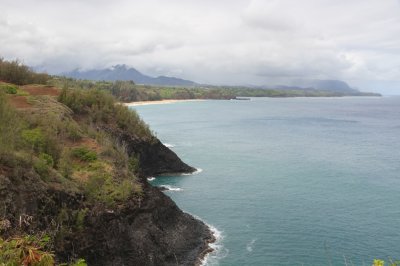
x=219 y=42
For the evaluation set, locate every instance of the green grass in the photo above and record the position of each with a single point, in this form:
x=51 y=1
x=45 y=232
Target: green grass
x=84 y=154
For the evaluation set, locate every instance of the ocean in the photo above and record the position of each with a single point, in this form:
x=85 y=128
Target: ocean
x=288 y=181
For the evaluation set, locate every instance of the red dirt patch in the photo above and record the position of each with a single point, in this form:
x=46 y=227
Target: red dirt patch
x=41 y=90
x=19 y=102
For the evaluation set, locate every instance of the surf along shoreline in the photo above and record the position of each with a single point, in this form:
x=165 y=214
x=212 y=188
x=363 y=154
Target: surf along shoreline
x=210 y=243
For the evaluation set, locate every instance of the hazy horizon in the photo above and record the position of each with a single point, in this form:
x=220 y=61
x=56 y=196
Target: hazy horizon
x=239 y=42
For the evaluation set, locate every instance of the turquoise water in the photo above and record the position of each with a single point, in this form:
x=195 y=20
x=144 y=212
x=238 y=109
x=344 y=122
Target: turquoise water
x=290 y=181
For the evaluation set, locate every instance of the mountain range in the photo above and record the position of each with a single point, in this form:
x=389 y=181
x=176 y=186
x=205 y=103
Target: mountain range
x=123 y=72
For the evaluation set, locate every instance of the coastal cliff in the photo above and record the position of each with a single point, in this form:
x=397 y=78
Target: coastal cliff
x=84 y=186
x=154 y=157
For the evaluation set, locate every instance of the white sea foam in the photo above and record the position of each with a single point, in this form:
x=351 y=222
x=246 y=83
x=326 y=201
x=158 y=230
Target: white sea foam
x=168 y=145
x=198 y=171
x=171 y=188
x=151 y=178
x=250 y=245
x=219 y=251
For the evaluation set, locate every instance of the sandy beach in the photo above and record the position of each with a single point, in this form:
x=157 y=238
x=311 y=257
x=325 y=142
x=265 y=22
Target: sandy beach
x=160 y=102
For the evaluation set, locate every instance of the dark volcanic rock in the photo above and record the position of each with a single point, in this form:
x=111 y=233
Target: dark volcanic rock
x=150 y=230
x=154 y=157
x=153 y=231
x=157 y=233
x=157 y=159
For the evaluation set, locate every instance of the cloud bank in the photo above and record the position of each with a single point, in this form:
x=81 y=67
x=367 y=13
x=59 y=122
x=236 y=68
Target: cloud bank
x=220 y=42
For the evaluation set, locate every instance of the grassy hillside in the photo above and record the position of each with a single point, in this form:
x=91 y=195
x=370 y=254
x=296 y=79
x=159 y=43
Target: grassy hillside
x=57 y=137
x=52 y=138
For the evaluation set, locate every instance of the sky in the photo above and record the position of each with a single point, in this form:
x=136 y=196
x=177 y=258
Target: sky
x=236 y=42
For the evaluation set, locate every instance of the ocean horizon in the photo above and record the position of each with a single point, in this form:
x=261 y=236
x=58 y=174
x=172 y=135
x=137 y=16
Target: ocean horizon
x=288 y=181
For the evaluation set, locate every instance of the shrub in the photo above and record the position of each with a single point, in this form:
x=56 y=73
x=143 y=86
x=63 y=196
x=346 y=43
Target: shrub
x=65 y=165
x=80 y=218
x=73 y=131
x=80 y=262
x=84 y=154
x=101 y=187
x=42 y=168
x=48 y=159
x=18 y=73
x=10 y=125
x=28 y=250
x=100 y=107
x=133 y=164
x=34 y=138
x=9 y=89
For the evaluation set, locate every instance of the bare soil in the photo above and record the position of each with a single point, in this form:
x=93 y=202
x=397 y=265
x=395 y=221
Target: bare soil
x=19 y=102
x=41 y=90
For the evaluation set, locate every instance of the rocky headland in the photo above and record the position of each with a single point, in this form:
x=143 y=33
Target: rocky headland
x=94 y=203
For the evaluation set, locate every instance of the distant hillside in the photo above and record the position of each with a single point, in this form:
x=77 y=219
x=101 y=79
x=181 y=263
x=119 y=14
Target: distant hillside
x=123 y=72
x=322 y=85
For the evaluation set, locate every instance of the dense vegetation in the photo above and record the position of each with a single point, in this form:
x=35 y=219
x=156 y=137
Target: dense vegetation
x=55 y=144
x=98 y=107
x=128 y=91
x=60 y=142
x=17 y=73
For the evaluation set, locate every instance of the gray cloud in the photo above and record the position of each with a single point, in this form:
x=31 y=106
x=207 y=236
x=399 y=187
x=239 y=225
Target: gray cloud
x=223 y=42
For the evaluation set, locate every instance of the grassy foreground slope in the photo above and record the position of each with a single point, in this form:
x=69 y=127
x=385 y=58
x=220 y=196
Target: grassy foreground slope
x=73 y=168
x=54 y=144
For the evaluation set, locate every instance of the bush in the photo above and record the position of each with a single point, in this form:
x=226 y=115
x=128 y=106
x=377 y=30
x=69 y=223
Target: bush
x=48 y=159
x=10 y=125
x=133 y=164
x=41 y=168
x=17 y=73
x=65 y=165
x=100 y=107
x=9 y=89
x=34 y=138
x=80 y=218
x=84 y=154
x=80 y=262
x=102 y=187
x=42 y=165
x=73 y=131
x=28 y=250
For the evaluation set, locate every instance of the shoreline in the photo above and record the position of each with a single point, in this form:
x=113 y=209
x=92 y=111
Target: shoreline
x=139 y=103
x=211 y=235
x=203 y=255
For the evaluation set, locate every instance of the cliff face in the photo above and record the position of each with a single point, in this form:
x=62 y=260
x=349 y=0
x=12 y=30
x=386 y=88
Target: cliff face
x=149 y=231
x=154 y=157
x=157 y=233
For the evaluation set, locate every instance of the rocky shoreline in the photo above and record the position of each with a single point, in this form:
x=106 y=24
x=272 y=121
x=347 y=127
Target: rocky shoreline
x=151 y=230
x=157 y=159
